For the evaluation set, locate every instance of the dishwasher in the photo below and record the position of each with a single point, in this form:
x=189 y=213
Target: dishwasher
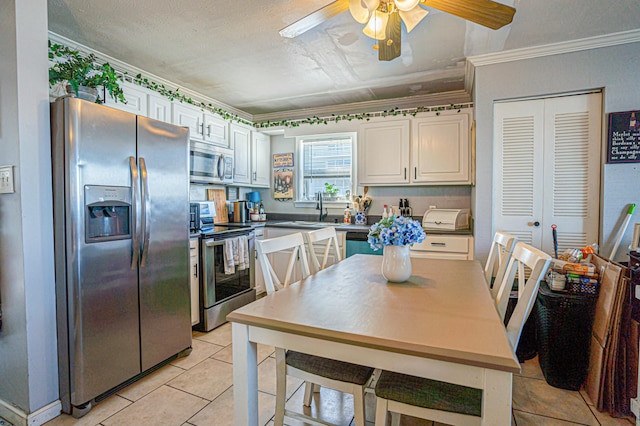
x=356 y=243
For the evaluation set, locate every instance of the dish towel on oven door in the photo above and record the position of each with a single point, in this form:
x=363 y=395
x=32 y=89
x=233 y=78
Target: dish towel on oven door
x=236 y=253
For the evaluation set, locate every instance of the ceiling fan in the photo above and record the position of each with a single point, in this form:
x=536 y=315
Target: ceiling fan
x=383 y=18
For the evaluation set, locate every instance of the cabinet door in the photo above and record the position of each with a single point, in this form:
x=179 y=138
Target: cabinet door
x=159 y=108
x=195 y=282
x=241 y=142
x=216 y=129
x=383 y=153
x=441 y=152
x=136 y=98
x=261 y=159
x=188 y=116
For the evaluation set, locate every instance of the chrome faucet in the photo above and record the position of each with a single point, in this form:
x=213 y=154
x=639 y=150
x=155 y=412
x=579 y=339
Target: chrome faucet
x=322 y=215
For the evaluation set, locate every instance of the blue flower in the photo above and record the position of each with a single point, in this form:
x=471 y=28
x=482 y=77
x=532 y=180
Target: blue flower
x=395 y=231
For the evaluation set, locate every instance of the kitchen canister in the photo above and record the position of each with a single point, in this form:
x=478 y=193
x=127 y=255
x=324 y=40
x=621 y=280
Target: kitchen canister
x=361 y=218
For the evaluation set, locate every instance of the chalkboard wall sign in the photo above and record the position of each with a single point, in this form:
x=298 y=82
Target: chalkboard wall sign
x=624 y=137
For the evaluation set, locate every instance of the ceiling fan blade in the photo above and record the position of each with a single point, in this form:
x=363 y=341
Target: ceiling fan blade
x=390 y=47
x=314 y=19
x=487 y=13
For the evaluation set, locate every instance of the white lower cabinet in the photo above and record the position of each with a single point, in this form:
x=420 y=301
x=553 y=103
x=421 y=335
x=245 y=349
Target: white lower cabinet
x=194 y=246
x=259 y=277
x=458 y=247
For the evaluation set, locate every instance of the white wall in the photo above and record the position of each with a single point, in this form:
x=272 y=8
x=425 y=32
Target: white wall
x=28 y=376
x=615 y=69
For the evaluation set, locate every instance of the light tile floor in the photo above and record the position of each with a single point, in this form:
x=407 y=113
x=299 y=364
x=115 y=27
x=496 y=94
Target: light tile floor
x=198 y=390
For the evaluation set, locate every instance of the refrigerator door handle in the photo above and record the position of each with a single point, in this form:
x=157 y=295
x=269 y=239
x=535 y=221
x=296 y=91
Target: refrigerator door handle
x=146 y=211
x=135 y=214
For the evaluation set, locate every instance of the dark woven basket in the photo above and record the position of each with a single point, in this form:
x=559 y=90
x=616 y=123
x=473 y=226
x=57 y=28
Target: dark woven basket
x=564 y=322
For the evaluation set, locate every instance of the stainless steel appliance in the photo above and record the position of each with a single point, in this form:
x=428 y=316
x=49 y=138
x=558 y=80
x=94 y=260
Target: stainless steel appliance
x=209 y=163
x=194 y=217
x=222 y=293
x=121 y=212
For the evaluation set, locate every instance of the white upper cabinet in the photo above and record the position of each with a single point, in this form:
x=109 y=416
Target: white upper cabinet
x=216 y=129
x=440 y=150
x=261 y=159
x=135 y=95
x=159 y=107
x=383 y=153
x=241 y=143
x=435 y=152
x=186 y=115
x=203 y=125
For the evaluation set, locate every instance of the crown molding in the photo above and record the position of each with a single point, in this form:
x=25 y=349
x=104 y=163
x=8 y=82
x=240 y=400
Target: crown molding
x=615 y=39
x=624 y=37
x=435 y=99
x=132 y=71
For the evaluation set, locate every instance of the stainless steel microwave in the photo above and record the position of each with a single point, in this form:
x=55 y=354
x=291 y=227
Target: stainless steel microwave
x=209 y=163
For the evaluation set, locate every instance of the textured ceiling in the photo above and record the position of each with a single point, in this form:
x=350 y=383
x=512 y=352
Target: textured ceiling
x=231 y=51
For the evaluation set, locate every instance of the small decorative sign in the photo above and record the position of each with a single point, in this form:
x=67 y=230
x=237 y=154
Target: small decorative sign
x=624 y=137
x=283 y=176
x=283 y=160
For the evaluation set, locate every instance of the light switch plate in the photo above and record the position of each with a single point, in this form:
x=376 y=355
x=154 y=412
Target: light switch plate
x=6 y=180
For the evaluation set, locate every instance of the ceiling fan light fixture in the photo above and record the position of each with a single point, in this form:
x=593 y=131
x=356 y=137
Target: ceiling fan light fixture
x=406 y=5
x=412 y=17
x=361 y=9
x=377 y=26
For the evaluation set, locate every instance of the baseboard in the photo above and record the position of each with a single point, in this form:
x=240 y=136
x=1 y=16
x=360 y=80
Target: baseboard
x=18 y=417
x=45 y=414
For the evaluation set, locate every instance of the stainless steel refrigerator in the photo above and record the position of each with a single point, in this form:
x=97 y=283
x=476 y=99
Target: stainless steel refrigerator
x=121 y=215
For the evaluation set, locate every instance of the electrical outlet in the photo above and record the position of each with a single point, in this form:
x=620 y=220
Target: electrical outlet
x=432 y=207
x=6 y=180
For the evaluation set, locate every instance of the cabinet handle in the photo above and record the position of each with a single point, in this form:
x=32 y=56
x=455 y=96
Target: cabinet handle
x=415 y=173
x=405 y=173
x=196 y=270
x=439 y=244
x=255 y=175
x=209 y=130
x=202 y=129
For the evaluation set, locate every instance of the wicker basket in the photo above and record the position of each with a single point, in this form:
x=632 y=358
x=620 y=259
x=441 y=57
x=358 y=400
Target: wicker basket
x=563 y=324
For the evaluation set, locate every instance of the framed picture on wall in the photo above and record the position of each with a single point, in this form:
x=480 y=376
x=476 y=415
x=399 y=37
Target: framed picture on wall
x=624 y=137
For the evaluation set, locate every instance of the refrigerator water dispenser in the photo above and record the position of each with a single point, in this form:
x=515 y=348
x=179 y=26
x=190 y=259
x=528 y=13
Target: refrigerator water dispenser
x=107 y=213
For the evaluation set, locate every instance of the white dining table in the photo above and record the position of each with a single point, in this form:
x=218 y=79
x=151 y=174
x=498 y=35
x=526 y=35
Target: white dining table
x=440 y=324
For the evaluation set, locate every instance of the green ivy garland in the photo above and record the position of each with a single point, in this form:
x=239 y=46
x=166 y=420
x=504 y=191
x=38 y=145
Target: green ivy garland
x=177 y=96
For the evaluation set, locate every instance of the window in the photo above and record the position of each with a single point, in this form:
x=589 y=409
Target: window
x=326 y=166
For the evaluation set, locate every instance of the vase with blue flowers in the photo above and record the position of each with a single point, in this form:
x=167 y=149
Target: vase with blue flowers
x=394 y=235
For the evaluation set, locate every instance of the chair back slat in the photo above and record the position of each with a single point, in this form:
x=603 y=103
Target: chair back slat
x=538 y=263
x=293 y=242
x=499 y=255
x=328 y=235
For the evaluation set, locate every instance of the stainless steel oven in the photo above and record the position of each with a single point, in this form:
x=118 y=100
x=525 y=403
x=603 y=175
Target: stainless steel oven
x=209 y=163
x=221 y=293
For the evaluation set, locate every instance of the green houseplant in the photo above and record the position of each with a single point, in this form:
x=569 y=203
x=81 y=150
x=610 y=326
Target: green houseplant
x=71 y=68
x=331 y=191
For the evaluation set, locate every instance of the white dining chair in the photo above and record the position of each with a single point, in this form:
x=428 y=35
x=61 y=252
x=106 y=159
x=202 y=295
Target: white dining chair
x=499 y=255
x=328 y=235
x=450 y=403
x=341 y=376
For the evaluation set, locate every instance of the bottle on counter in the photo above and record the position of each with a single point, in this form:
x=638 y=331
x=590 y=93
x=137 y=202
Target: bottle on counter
x=385 y=213
x=347 y=214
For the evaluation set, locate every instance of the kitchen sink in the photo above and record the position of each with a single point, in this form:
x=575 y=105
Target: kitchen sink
x=307 y=223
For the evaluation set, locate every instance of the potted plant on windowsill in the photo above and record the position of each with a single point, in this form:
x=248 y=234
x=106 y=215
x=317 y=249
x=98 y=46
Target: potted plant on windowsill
x=330 y=192
x=72 y=74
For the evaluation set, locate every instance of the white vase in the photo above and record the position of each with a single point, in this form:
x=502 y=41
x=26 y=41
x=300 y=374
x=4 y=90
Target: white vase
x=396 y=263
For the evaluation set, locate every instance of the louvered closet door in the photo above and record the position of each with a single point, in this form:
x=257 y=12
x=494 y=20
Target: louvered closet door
x=547 y=170
x=518 y=161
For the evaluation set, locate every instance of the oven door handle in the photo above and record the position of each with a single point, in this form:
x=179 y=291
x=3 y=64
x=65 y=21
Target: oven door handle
x=211 y=243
